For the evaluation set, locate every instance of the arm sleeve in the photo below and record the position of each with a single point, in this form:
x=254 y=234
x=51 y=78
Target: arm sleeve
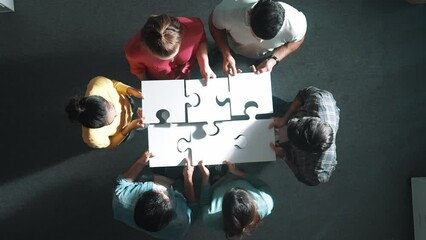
x=299 y=30
x=218 y=17
x=136 y=67
x=323 y=176
x=200 y=25
x=126 y=189
x=326 y=165
x=257 y=183
x=120 y=87
x=265 y=192
x=306 y=93
x=104 y=141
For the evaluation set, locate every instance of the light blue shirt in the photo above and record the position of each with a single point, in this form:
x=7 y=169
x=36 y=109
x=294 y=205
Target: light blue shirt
x=126 y=195
x=212 y=196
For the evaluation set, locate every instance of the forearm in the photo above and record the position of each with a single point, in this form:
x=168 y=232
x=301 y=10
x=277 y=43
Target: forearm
x=286 y=49
x=202 y=55
x=219 y=37
x=133 y=172
x=126 y=130
x=189 y=190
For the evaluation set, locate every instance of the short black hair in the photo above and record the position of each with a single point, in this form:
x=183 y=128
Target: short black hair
x=239 y=213
x=266 y=19
x=90 y=111
x=153 y=212
x=310 y=134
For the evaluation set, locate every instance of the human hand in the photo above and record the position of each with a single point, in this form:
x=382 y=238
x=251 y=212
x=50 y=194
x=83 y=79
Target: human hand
x=265 y=66
x=279 y=151
x=134 y=92
x=229 y=66
x=233 y=169
x=207 y=73
x=188 y=170
x=205 y=173
x=136 y=123
x=278 y=122
x=146 y=157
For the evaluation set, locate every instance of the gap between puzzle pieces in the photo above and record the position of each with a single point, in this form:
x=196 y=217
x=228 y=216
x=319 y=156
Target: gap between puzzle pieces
x=190 y=101
x=237 y=141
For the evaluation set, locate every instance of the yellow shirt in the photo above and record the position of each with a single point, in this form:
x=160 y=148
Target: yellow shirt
x=115 y=92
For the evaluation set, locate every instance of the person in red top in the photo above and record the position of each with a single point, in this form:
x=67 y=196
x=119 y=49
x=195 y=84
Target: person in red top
x=166 y=48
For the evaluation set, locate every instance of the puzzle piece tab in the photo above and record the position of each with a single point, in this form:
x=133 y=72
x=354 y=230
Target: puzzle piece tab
x=250 y=87
x=238 y=141
x=217 y=122
x=162 y=139
x=209 y=109
x=165 y=96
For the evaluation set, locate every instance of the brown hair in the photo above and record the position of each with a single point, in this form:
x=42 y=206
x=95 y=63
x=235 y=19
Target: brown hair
x=162 y=35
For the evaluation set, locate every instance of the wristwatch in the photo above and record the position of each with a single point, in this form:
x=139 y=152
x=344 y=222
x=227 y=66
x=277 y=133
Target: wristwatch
x=275 y=58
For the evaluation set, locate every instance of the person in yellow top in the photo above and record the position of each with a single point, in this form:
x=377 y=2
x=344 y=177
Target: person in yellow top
x=106 y=112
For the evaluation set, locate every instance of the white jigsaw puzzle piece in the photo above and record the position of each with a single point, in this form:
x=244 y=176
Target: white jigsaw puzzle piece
x=162 y=142
x=208 y=109
x=250 y=87
x=166 y=95
x=255 y=145
x=238 y=141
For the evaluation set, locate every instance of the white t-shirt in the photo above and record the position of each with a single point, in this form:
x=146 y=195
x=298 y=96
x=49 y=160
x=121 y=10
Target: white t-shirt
x=232 y=15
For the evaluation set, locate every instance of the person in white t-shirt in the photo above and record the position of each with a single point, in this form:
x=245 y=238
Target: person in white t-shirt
x=265 y=29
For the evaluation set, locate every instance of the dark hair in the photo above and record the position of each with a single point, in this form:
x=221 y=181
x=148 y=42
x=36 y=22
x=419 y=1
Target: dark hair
x=90 y=111
x=310 y=134
x=162 y=34
x=266 y=19
x=153 y=212
x=239 y=213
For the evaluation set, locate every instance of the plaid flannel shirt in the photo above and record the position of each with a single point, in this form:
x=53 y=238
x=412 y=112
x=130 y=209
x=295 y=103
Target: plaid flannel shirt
x=315 y=168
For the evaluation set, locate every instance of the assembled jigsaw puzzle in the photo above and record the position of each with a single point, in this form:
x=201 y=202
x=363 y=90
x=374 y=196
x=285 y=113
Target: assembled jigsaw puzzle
x=212 y=123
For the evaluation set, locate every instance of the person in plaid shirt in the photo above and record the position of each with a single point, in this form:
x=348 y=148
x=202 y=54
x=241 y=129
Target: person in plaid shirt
x=311 y=123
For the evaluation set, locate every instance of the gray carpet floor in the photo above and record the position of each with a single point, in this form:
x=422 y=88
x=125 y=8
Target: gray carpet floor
x=370 y=54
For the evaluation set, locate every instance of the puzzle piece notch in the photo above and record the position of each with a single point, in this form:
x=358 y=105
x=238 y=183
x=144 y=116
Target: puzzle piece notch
x=162 y=139
x=211 y=128
x=208 y=109
x=240 y=142
x=193 y=100
x=249 y=87
x=183 y=144
x=166 y=95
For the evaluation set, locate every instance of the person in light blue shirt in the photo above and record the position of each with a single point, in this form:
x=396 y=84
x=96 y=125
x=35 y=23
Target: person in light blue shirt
x=151 y=204
x=235 y=203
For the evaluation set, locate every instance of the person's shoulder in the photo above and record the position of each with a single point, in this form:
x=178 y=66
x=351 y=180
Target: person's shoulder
x=133 y=43
x=236 y=3
x=99 y=79
x=98 y=83
x=288 y=7
x=190 y=22
x=96 y=137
